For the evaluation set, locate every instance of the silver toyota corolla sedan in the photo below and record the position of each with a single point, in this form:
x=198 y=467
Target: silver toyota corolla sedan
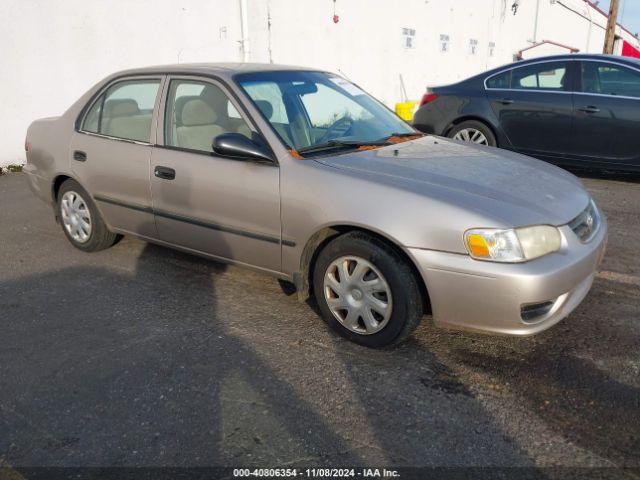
x=301 y=174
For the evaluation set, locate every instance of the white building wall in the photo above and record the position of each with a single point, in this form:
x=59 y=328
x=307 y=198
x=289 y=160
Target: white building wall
x=53 y=51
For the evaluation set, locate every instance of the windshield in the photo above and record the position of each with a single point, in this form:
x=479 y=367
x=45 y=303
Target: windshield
x=312 y=109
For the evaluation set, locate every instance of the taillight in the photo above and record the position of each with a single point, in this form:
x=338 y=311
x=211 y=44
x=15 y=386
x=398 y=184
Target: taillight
x=26 y=145
x=428 y=98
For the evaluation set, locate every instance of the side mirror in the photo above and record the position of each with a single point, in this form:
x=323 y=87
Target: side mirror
x=236 y=145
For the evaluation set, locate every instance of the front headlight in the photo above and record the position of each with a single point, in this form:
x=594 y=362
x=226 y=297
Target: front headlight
x=514 y=245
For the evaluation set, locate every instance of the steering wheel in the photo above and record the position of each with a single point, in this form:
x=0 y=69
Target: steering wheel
x=337 y=129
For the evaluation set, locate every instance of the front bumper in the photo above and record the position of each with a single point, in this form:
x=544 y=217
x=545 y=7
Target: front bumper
x=489 y=297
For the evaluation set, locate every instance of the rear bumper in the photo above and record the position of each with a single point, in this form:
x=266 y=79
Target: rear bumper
x=38 y=185
x=489 y=297
x=430 y=120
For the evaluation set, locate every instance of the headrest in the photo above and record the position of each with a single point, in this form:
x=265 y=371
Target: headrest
x=124 y=107
x=197 y=112
x=265 y=107
x=216 y=99
x=179 y=106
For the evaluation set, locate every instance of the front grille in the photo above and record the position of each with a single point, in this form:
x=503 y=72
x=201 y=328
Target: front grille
x=587 y=223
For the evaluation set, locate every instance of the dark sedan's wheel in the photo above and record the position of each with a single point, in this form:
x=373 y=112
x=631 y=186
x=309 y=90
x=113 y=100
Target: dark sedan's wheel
x=80 y=219
x=366 y=291
x=474 y=132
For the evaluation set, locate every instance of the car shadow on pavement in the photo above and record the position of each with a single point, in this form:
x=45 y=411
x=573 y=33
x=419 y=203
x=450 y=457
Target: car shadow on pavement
x=421 y=412
x=104 y=368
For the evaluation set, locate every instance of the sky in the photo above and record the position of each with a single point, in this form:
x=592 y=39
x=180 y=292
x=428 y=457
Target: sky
x=628 y=15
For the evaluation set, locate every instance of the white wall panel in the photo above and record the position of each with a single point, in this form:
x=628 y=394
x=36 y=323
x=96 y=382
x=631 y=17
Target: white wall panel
x=54 y=50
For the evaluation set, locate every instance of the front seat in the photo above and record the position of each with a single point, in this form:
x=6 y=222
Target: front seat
x=198 y=125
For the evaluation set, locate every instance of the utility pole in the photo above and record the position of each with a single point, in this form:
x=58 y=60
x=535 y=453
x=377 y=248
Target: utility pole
x=610 y=35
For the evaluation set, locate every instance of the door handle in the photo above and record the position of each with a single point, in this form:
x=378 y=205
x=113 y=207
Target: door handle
x=165 y=173
x=505 y=101
x=79 y=156
x=589 y=109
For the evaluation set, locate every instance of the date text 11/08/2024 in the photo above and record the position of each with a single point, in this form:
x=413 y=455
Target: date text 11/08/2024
x=317 y=472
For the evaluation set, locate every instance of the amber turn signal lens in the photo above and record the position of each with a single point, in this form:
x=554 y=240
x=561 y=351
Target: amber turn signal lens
x=478 y=245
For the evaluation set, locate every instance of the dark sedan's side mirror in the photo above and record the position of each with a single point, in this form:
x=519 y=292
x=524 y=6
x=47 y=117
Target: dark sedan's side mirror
x=236 y=145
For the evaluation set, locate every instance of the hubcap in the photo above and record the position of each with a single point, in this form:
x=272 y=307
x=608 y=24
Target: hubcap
x=358 y=295
x=471 y=135
x=75 y=216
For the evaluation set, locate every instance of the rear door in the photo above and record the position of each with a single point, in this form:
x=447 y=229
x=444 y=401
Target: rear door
x=111 y=151
x=607 y=119
x=205 y=202
x=534 y=105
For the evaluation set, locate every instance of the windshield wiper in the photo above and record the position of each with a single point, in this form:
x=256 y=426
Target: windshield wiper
x=339 y=144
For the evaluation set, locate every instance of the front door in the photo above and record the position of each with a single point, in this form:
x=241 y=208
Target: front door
x=534 y=106
x=607 y=120
x=110 y=154
x=204 y=202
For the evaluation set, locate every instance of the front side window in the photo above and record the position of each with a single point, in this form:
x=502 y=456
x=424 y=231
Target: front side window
x=124 y=111
x=610 y=79
x=196 y=113
x=542 y=76
x=309 y=109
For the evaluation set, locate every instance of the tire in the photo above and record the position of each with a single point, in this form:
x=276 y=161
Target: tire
x=93 y=235
x=376 y=260
x=471 y=127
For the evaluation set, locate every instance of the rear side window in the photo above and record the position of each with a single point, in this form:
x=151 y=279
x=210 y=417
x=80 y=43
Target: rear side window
x=501 y=80
x=610 y=79
x=124 y=110
x=542 y=76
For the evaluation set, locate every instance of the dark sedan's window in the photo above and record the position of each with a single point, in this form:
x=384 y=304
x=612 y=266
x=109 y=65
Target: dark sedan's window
x=501 y=80
x=540 y=76
x=610 y=79
x=124 y=110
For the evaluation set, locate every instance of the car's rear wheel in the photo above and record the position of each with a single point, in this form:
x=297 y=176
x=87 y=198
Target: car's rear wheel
x=366 y=291
x=473 y=131
x=81 y=220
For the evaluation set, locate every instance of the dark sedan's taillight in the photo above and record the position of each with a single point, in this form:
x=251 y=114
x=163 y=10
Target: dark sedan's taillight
x=428 y=98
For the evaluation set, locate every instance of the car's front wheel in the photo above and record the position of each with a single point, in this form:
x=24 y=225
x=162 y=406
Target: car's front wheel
x=473 y=131
x=366 y=291
x=81 y=220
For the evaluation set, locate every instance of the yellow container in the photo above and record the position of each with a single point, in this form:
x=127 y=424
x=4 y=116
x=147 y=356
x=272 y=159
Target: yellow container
x=405 y=110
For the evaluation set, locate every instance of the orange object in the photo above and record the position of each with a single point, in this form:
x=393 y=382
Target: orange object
x=404 y=139
x=478 y=245
x=294 y=153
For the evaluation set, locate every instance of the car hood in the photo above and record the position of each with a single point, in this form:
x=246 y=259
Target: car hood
x=516 y=189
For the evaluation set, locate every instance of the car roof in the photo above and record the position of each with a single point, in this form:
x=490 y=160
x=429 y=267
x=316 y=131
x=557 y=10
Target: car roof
x=226 y=69
x=567 y=56
x=582 y=56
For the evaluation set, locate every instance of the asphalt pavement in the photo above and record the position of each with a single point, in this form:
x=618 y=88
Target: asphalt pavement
x=144 y=356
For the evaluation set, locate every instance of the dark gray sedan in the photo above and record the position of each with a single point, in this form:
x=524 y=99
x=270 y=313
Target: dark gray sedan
x=574 y=110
